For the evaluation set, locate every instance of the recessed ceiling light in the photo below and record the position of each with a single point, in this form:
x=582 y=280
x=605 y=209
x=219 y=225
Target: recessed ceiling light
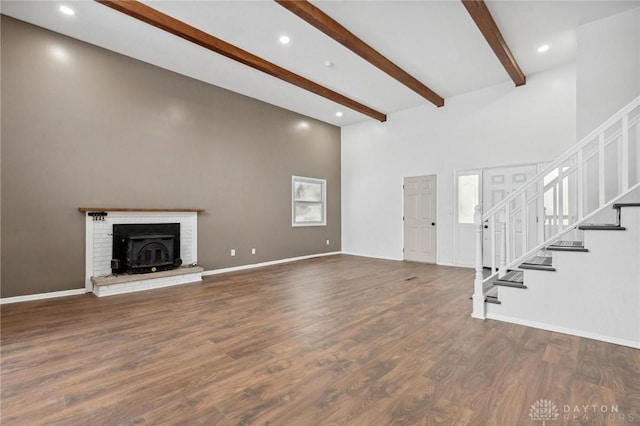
x=67 y=10
x=339 y=114
x=284 y=39
x=543 y=48
x=328 y=64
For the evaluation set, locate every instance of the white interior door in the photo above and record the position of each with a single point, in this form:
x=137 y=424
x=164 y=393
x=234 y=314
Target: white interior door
x=497 y=183
x=420 y=219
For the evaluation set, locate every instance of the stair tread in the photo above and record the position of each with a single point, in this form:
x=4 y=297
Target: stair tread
x=513 y=276
x=539 y=260
x=491 y=296
x=618 y=205
x=511 y=279
x=601 y=227
x=539 y=263
x=567 y=246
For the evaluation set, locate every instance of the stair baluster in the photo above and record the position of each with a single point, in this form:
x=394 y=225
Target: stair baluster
x=572 y=189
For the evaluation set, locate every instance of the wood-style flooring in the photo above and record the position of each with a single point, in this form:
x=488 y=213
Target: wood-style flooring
x=339 y=340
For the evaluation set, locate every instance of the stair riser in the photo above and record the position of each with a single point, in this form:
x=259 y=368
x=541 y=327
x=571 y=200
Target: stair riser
x=600 y=243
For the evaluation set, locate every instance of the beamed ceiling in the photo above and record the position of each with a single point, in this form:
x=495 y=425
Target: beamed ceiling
x=366 y=59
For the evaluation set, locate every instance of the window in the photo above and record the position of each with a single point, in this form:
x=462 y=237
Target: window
x=309 y=201
x=468 y=190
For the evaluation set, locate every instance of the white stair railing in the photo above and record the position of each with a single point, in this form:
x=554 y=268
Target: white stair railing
x=591 y=175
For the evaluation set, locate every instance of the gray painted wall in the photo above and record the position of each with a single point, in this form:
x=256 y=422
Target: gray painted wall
x=84 y=127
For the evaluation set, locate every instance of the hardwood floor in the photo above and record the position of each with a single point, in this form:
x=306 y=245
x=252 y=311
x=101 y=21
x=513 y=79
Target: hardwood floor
x=338 y=340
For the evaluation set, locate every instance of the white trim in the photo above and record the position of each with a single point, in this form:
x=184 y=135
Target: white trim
x=437 y=218
x=194 y=236
x=480 y=172
x=456 y=226
x=398 y=259
x=323 y=183
x=579 y=333
x=42 y=296
x=453 y=265
x=74 y=292
x=88 y=250
x=260 y=265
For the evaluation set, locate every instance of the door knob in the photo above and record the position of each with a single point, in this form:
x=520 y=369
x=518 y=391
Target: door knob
x=433 y=224
x=486 y=227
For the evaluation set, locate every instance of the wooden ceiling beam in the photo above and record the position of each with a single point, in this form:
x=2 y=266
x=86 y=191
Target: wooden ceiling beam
x=151 y=16
x=489 y=29
x=323 y=22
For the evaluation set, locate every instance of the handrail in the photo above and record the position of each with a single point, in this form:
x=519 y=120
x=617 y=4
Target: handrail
x=567 y=154
x=571 y=228
x=591 y=175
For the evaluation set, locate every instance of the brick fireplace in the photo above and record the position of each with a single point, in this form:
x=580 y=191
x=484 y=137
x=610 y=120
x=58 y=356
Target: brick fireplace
x=102 y=280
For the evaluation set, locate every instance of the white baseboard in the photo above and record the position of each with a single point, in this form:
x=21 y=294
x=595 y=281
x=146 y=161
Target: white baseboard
x=372 y=257
x=449 y=264
x=260 y=265
x=563 y=330
x=400 y=259
x=74 y=292
x=41 y=296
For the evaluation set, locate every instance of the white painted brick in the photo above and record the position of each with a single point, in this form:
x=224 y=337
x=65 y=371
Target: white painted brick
x=102 y=237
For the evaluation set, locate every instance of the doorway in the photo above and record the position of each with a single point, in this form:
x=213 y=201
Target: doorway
x=419 y=220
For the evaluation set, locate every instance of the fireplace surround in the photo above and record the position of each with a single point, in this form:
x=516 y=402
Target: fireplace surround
x=99 y=275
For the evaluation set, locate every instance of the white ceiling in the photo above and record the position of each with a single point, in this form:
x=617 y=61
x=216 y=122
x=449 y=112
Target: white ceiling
x=435 y=41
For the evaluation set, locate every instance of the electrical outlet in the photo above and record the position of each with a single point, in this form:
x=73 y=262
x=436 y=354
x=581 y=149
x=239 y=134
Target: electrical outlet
x=327 y=242
x=253 y=251
x=233 y=252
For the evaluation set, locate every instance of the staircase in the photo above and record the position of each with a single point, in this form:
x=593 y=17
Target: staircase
x=564 y=248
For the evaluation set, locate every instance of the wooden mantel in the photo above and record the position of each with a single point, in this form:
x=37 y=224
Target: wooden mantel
x=127 y=209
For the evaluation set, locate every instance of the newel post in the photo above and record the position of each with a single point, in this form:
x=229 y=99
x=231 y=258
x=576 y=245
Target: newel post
x=478 y=290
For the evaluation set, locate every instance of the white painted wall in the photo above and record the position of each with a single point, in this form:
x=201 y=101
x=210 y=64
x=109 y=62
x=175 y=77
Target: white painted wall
x=608 y=68
x=500 y=125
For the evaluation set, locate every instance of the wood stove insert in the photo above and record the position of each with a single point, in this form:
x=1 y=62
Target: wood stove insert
x=144 y=248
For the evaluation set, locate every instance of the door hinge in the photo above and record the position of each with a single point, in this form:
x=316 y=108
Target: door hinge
x=403 y=218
